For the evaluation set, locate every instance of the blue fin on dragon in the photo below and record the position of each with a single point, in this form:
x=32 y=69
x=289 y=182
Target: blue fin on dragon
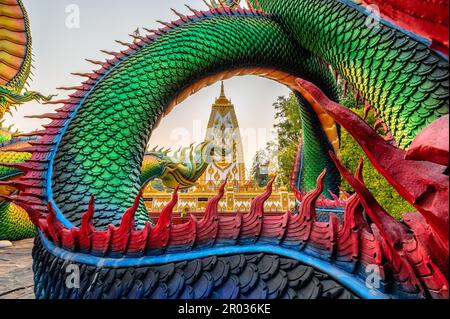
x=81 y=185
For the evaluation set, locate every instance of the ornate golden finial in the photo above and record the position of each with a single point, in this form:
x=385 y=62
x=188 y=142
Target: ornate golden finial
x=222 y=91
x=222 y=100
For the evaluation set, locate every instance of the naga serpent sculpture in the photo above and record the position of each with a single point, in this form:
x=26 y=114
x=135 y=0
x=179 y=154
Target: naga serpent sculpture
x=174 y=173
x=15 y=69
x=82 y=185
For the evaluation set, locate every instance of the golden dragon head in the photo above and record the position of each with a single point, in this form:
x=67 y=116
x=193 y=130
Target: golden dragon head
x=181 y=170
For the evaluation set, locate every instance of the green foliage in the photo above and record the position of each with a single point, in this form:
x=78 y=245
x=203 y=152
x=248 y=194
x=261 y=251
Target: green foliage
x=279 y=157
x=289 y=132
x=350 y=154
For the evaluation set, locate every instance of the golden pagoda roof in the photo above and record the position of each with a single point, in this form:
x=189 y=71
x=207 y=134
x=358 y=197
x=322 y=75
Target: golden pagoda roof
x=222 y=100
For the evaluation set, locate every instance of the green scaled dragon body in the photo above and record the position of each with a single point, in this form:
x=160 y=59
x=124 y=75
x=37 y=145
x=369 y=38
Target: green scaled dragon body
x=174 y=172
x=15 y=68
x=82 y=185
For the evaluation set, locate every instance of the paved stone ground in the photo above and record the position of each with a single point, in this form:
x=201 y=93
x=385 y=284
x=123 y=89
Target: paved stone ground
x=16 y=275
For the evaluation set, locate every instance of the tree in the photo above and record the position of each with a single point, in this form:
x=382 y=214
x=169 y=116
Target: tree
x=289 y=133
x=288 y=126
x=350 y=154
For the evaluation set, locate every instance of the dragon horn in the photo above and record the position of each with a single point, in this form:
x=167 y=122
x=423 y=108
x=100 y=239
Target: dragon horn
x=180 y=15
x=196 y=12
x=123 y=43
x=207 y=4
x=167 y=24
x=95 y=62
x=151 y=30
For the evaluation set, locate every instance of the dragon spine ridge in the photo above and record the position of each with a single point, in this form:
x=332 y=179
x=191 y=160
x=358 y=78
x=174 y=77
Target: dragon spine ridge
x=351 y=245
x=32 y=197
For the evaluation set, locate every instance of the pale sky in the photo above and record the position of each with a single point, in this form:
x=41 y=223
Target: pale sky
x=59 y=50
